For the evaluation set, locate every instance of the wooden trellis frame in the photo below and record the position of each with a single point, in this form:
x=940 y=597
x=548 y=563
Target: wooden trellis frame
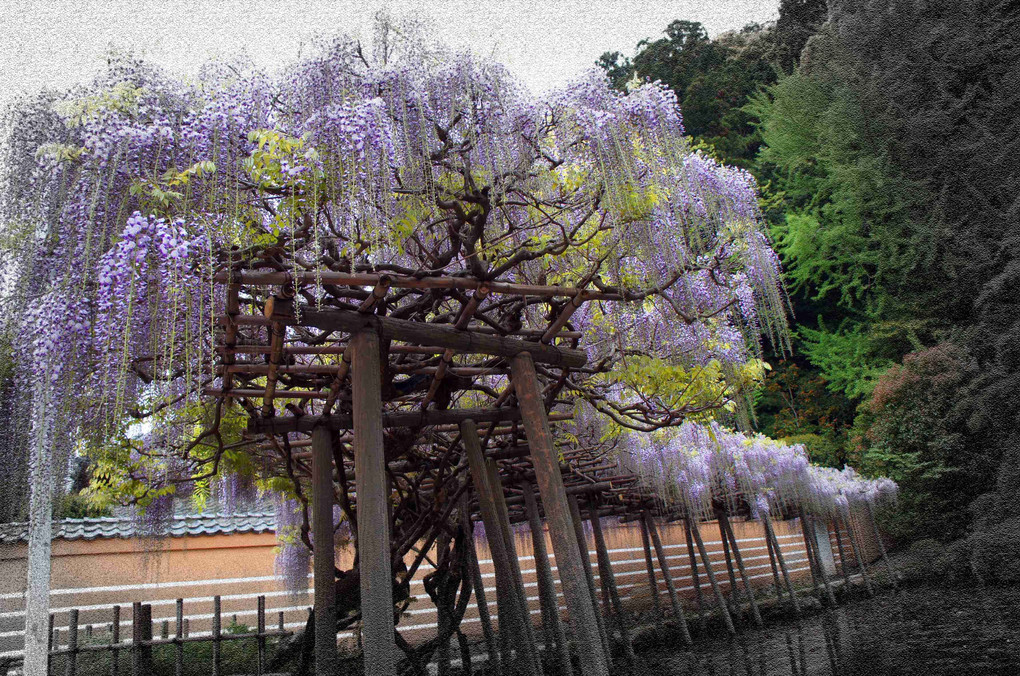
x=342 y=371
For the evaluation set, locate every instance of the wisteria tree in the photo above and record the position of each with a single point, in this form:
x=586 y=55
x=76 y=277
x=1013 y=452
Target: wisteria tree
x=125 y=198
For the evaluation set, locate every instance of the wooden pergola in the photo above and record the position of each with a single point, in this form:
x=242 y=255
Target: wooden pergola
x=368 y=397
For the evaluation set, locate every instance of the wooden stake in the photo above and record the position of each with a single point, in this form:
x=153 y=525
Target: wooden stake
x=546 y=586
x=696 y=532
x=608 y=581
x=667 y=575
x=373 y=509
x=554 y=498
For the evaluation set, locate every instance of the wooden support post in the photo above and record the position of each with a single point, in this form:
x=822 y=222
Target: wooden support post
x=72 y=643
x=808 y=526
x=743 y=571
x=324 y=561
x=667 y=575
x=608 y=581
x=881 y=545
x=478 y=585
x=699 y=596
x=582 y=545
x=373 y=505
x=550 y=484
x=775 y=568
x=842 y=555
x=529 y=646
x=734 y=591
x=512 y=631
x=653 y=586
x=178 y=642
x=810 y=556
x=115 y=640
x=855 y=543
x=771 y=534
x=546 y=586
x=727 y=620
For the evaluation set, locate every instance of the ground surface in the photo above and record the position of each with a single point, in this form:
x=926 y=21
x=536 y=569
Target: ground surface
x=915 y=631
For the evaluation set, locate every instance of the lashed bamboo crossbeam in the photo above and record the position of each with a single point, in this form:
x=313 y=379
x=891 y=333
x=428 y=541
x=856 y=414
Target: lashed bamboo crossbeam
x=405 y=282
x=277 y=331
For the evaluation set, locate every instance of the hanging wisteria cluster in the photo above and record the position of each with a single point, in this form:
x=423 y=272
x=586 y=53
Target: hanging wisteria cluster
x=123 y=199
x=703 y=468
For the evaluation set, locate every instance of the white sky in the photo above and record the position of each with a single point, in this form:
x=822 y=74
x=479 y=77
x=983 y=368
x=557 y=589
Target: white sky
x=544 y=43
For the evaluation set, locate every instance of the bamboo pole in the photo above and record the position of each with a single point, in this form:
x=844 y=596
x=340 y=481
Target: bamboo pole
x=700 y=597
x=550 y=484
x=653 y=585
x=546 y=586
x=582 y=543
x=755 y=614
x=667 y=575
x=373 y=509
x=881 y=545
x=529 y=646
x=727 y=620
x=512 y=632
x=608 y=581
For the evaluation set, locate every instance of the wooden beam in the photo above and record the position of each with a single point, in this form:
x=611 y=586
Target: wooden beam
x=373 y=508
x=445 y=336
x=550 y=484
x=247 y=278
x=324 y=561
x=306 y=423
x=771 y=534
